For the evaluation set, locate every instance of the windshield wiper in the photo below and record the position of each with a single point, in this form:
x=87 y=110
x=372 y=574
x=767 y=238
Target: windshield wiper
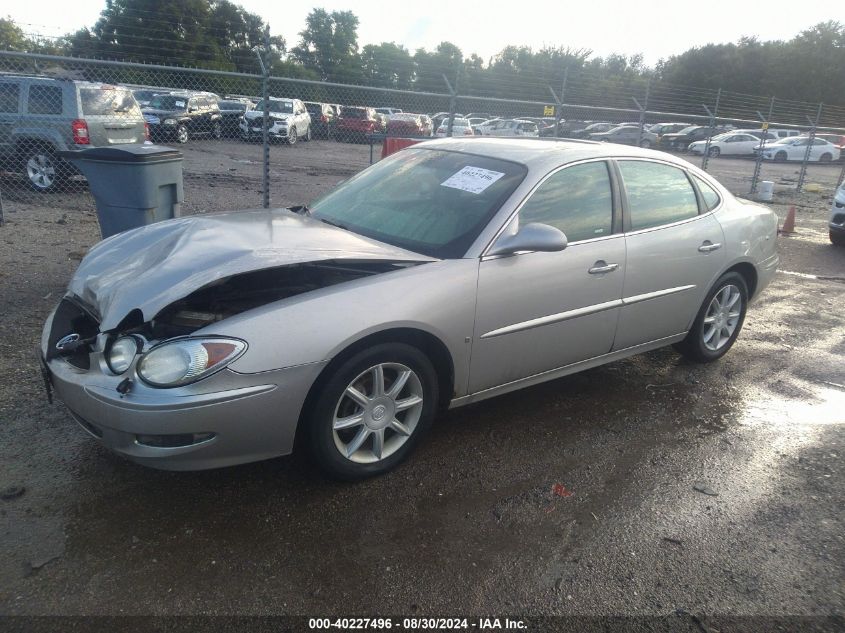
x=300 y=209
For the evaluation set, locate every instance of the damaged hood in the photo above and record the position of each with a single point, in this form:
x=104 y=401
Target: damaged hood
x=151 y=267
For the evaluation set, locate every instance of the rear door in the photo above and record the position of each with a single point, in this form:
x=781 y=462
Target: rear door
x=674 y=252
x=10 y=99
x=112 y=114
x=540 y=311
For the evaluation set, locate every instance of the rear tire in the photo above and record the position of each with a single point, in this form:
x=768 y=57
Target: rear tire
x=646 y=144
x=43 y=168
x=710 y=340
x=825 y=158
x=332 y=425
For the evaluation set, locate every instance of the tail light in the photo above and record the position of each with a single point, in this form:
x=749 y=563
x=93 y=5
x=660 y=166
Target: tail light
x=80 y=132
x=146 y=131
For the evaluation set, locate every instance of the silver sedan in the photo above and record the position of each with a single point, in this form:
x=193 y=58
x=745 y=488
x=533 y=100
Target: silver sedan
x=450 y=272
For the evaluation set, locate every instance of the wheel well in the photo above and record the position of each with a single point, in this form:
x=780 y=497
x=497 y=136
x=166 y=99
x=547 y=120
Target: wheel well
x=427 y=343
x=749 y=273
x=24 y=145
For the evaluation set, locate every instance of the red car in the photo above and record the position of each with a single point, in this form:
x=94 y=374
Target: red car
x=353 y=124
x=406 y=124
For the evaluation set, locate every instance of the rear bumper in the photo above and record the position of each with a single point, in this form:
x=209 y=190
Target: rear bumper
x=765 y=273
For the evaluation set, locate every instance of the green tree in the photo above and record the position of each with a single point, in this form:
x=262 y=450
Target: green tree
x=12 y=37
x=387 y=65
x=328 y=46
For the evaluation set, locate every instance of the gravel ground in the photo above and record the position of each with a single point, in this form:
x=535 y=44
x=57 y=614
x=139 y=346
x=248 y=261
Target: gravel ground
x=715 y=490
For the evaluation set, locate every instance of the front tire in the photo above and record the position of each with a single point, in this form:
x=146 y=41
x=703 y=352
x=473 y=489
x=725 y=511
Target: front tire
x=307 y=136
x=718 y=322
x=217 y=130
x=714 y=152
x=182 y=135
x=836 y=238
x=372 y=411
x=781 y=157
x=292 y=138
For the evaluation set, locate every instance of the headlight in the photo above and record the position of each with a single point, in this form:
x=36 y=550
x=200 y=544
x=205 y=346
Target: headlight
x=183 y=361
x=121 y=353
x=170 y=121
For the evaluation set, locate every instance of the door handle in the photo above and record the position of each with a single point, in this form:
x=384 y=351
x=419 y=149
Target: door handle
x=600 y=267
x=708 y=246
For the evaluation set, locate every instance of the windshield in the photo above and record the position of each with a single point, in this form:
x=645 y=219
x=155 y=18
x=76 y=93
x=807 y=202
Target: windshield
x=144 y=95
x=281 y=107
x=354 y=113
x=432 y=202
x=690 y=129
x=108 y=101
x=596 y=126
x=169 y=102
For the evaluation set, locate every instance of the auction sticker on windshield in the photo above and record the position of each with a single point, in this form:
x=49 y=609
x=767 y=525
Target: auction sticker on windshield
x=472 y=179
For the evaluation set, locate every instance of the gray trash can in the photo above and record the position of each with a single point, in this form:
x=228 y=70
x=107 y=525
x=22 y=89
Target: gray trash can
x=133 y=185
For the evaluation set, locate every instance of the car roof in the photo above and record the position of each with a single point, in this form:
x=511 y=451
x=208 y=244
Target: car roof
x=544 y=153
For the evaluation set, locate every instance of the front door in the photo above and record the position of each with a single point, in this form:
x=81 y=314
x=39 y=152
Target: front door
x=674 y=253
x=540 y=311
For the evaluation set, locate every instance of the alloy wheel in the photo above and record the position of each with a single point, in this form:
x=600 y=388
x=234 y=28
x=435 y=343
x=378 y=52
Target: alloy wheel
x=41 y=171
x=377 y=413
x=722 y=318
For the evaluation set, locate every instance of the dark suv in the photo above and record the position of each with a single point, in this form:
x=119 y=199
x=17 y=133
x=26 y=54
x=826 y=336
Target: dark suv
x=231 y=112
x=179 y=116
x=41 y=116
x=322 y=119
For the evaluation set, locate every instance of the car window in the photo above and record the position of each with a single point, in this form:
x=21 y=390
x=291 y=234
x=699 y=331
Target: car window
x=577 y=200
x=45 y=100
x=9 y=93
x=711 y=198
x=657 y=194
x=107 y=101
x=819 y=141
x=433 y=202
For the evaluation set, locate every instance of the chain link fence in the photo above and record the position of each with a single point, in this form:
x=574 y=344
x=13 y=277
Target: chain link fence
x=253 y=139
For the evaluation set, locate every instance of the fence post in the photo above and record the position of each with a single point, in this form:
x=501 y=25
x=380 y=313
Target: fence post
x=713 y=114
x=559 y=111
x=758 y=163
x=2 y=214
x=265 y=122
x=814 y=125
x=643 y=108
x=453 y=94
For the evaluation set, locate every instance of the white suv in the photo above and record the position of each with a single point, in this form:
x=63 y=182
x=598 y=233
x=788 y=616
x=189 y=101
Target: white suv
x=289 y=121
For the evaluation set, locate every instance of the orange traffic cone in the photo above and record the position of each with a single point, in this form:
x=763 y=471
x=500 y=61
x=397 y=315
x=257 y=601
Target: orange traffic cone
x=789 y=223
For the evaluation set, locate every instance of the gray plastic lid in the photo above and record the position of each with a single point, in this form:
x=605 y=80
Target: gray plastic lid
x=126 y=153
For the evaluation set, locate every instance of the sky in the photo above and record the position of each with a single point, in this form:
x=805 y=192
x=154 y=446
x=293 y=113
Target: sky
x=657 y=29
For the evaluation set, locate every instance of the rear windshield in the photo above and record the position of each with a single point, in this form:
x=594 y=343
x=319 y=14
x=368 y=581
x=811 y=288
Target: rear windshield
x=432 y=202
x=169 y=102
x=281 y=107
x=232 y=105
x=354 y=113
x=105 y=101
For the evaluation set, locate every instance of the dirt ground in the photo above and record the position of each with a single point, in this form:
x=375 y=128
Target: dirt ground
x=710 y=490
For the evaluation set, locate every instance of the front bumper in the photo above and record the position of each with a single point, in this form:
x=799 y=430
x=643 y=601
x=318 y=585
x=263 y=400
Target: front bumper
x=228 y=418
x=250 y=129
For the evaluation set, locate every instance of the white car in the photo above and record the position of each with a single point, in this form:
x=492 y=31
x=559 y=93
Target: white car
x=289 y=121
x=460 y=127
x=738 y=143
x=794 y=148
x=484 y=127
x=836 y=225
x=514 y=127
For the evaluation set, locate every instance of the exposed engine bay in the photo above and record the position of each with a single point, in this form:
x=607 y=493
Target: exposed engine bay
x=239 y=293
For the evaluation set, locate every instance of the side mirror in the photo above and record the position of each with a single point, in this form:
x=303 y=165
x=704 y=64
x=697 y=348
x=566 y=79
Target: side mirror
x=531 y=237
